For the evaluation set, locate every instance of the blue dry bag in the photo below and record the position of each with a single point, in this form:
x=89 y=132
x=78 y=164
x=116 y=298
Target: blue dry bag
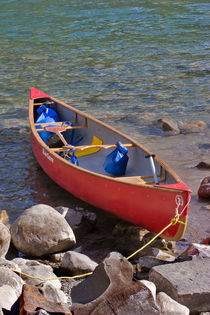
x=46 y=115
x=116 y=161
x=74 y=159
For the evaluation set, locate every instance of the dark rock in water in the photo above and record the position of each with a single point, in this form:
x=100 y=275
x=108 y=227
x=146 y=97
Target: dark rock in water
x=204 y=146
x=186 y=282
x=34 y=299
x=203 y=165
x=204 y=189
x=112 y=290
x=192 y=126
x=168 y=126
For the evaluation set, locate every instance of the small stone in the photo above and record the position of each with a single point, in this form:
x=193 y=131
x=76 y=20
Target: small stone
x=4 y=218
x=76 y=263
x=169 y=306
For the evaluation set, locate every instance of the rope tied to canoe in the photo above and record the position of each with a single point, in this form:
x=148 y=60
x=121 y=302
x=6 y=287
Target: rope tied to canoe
x=173 y=221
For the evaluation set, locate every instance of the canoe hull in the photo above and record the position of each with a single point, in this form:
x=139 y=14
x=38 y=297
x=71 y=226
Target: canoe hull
x=146 y=206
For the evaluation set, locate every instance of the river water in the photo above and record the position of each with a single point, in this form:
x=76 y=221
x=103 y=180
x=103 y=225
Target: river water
x=128 y=63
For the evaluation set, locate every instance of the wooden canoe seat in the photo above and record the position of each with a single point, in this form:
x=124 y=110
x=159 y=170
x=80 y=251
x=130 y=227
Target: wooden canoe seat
x=131 y=179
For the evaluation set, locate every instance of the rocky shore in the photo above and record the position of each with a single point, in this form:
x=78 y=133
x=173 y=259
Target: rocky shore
x=46 y=250
x=62 y=261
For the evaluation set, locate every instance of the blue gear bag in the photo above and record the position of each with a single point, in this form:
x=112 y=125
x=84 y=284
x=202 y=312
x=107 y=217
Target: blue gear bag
x=116 y=161
x=46 y=115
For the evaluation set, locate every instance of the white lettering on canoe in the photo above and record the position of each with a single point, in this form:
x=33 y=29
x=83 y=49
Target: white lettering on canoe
x=45 y=153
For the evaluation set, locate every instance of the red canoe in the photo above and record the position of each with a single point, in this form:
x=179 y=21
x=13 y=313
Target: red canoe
x=71 y=148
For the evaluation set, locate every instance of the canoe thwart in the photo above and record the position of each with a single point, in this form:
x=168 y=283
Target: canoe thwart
x=98 y=146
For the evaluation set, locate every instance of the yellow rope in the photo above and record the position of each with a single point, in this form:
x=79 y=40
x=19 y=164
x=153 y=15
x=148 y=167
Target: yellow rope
x=174 y=221
x=47 y=279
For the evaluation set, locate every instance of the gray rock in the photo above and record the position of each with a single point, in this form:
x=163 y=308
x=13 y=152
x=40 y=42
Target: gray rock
x=151 y=286
x=148 y=262
x=192 y=126
x=169 y=306
x=38 y=271
x=51 y=293
x=5 y=238
x=112 y=290
x=10 y=288
x=187 y=282
x=76 y=263
x=8 y=264
x=198 y=250
x=41 y=230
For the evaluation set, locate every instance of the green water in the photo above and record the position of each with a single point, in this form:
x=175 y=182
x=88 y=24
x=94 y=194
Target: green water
x=128 y=63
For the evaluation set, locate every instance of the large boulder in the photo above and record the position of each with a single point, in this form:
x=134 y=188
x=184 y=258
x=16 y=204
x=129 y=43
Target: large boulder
x=187 y=282
x=204 y=189
x=5 y=238
x=77 y=263
x=41 y=230
x=112 y=290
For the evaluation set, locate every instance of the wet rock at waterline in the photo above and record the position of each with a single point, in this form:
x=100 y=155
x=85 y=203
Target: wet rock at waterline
x=41 y=230
x=5 y=238
x=204 y=189
x=172 y=128
x=203 y=165
x=192 y=126
x=168 y=126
